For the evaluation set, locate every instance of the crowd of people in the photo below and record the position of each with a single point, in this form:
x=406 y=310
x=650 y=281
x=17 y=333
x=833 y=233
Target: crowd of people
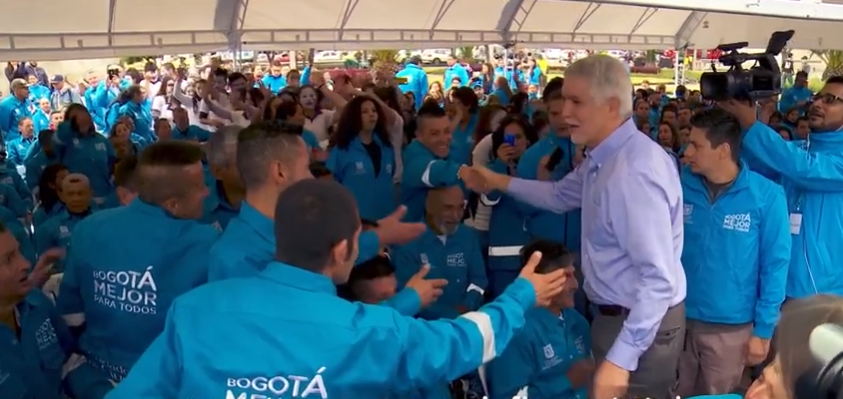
x=209 y=233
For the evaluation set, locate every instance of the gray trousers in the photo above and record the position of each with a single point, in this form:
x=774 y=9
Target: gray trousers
x=657 y=368
x=712 y=361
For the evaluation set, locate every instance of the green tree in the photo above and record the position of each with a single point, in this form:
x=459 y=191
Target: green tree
x=833 y=60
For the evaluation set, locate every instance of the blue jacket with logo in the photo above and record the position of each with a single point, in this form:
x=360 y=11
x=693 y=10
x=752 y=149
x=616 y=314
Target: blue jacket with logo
x=422 y=171
x=12 y=111
x=11 y=200
x=546 y=225
x=458 y=260
x=352 y=167
x=122 y=289
x=248 y=244
x=813 y=182
x=44 y=363
x=792 y=95
x=540 y=355
x=416 y=82
x=329 y=347
x=18 y=148
x=736 y=252
x=56 y=232
x=91 y=155
x=507 y=234
x=41 y=214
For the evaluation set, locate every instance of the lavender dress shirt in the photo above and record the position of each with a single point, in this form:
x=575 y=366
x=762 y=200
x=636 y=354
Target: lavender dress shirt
x=632 y=231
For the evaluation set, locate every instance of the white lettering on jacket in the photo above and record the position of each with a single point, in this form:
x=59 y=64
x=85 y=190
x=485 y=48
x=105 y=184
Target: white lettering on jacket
x=277 y=387
x=128 y=291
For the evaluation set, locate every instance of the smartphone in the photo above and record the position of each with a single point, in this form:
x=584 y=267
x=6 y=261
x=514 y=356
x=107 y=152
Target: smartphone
x=509 y=139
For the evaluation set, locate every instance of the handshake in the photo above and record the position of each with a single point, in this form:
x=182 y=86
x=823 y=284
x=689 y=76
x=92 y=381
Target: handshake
x=482 y=180
x=546 y=286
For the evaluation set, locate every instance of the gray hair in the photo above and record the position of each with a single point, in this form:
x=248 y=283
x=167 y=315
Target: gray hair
x=609 y=79
x=222 y=145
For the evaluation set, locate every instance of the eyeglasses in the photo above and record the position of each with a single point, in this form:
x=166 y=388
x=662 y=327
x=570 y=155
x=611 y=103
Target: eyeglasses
x=827 y=98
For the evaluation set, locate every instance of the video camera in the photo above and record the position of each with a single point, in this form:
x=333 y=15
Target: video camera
x=825 y=379
x=760 y=81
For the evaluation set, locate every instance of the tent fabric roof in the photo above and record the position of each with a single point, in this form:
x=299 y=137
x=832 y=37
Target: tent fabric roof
x=110 y=28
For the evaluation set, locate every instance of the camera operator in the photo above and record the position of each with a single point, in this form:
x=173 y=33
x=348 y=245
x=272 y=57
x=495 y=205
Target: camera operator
x=799 y=319
x=811 y=173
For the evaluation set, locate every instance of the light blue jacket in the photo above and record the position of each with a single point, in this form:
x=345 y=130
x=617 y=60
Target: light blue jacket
x=352 y=167
x=458 y=260
x=56 y=232
x=417 y=82
x=736 y=251
x=9 y=176
x=217 y=211
x=329 y=347
x=192 y=132
x=507 y=234
x=44 y=362
x=813 y=182
x=422 y=171
x=122 y=289
x=142 y=118
x=540 y=355
x=248 y=244
x=91 y=155
x=462 y=141
x=455 y=71
x=12 y=111
x=546 y=225
x=18 y=148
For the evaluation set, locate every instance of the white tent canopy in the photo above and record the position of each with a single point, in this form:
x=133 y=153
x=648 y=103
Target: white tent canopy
x=110 y=28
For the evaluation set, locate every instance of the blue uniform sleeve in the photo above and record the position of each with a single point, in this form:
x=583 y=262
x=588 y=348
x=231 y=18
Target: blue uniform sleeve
x=201 y=134
x=406 y=264
x=81 y=380
x=407 y=302
x=43 y=238
x=14 y=155
x=477 y=281
x=369 y=247
x=813 y=171
x=423 y=86
x=787 y=101
x=22 y=190
x=774 y=261
x=69 y=302
x=333 y=164
x=509 y=373
x=16 y=204
x=5 y=118
x=304 y=79
x=421 y=172
x=424 y=353
x=157 y=374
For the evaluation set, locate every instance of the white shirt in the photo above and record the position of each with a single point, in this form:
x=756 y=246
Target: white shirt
x=481 y=156
x=319 y=126
x=162 y=108
x=223 y=102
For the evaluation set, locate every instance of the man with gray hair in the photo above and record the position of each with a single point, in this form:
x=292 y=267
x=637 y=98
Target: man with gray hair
x=226 y=190
x=632 y=231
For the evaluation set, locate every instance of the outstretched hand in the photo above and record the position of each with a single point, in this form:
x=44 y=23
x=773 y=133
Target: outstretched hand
x=547 y=286
x=392 y=230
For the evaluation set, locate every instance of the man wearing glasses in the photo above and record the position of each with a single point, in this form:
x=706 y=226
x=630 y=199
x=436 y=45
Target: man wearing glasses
x=812 y=176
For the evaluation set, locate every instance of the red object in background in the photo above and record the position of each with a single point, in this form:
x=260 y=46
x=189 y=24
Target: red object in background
x=710 y=54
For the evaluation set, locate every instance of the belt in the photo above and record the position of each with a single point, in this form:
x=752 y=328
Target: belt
x=511 y=250
x=611 y=310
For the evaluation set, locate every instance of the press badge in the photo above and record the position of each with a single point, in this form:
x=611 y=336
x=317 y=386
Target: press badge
x=795 y=223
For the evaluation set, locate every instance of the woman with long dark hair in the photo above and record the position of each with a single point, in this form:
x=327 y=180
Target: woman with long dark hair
x=131 y=104
x=506 y=226
x=462 y=139
x=49 y=199
x=363 y=160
